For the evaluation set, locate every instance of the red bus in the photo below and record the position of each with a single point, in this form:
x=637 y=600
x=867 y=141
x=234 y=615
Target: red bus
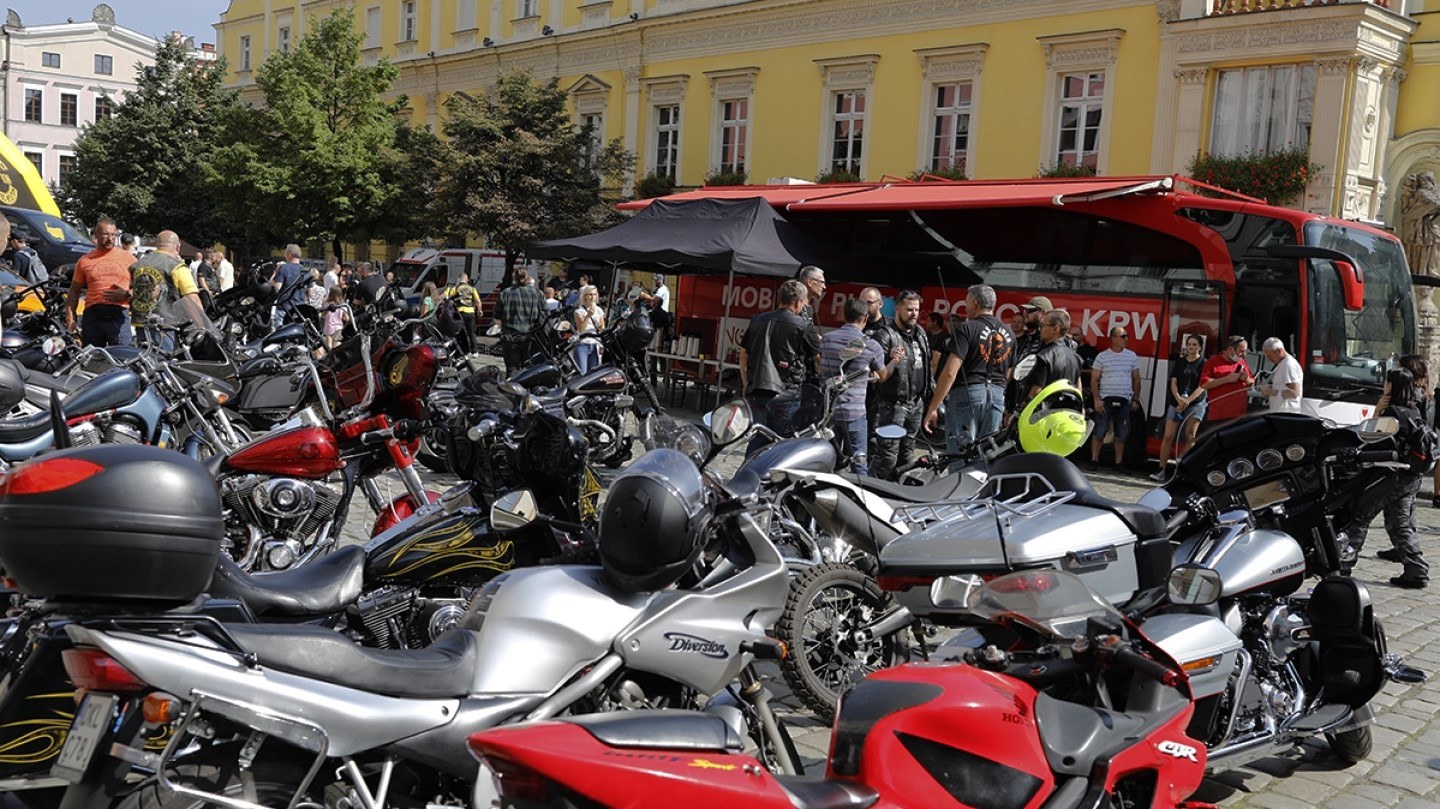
x=1137 y=252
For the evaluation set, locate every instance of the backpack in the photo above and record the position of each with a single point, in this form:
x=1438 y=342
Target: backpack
x=447 y=316
x=1419 y=442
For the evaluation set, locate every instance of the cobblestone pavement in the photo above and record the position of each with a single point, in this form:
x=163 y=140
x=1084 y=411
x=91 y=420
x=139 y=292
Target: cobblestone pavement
x=1404 y=768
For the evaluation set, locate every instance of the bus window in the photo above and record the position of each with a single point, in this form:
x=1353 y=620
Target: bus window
x=1349 y=351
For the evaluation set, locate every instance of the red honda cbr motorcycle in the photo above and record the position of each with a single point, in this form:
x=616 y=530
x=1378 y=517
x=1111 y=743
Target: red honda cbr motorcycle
x=1076 y=713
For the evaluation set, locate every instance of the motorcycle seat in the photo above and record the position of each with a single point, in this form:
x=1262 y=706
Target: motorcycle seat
x=321 y=587
x=1065 y=476
x=445 y=668
x=673 y=730
x=12 y=383
x=815 y=793
x=945 y=487
x=17 y=431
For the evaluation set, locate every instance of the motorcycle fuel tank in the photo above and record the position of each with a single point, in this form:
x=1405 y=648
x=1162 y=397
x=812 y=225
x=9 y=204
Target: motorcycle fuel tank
x=1252 y=561
x=542 y=625
x=809 y=454
x=455 y=547
x=539 y=375
x=304 y=452
x=105 y=392
x=602 y=380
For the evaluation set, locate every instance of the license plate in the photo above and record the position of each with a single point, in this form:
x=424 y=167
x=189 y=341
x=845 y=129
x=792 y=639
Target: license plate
x=91 y=722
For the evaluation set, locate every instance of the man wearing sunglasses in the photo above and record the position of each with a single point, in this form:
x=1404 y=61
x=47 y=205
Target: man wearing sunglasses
x=1115 y=380
x=1226 y=377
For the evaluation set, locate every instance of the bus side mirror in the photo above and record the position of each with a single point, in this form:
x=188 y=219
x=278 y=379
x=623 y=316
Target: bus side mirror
x=1352 y=285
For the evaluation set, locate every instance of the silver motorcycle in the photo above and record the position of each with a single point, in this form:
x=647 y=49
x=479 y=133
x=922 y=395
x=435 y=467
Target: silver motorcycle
x=289 y=715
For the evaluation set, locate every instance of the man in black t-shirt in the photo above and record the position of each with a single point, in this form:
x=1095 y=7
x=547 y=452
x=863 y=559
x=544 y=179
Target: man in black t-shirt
x=1055 y=360
x=974 y=376
x=777 y=355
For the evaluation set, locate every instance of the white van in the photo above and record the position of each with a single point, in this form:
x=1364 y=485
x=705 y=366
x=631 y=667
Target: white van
x=444 y=267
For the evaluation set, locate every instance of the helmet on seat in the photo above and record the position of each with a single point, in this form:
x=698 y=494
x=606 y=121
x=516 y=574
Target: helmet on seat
x=653 y=522
x=1054 y=421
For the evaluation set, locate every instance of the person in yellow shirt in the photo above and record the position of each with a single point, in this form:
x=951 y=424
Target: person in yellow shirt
x=161 y=284
x=467 y=303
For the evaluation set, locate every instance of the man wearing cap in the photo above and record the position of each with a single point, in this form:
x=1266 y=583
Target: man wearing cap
x=1027 y=344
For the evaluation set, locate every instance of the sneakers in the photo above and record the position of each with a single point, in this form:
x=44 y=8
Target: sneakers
x=1435 y=501
x=1410 y=582
x=1162 y=475
x=1390 y=555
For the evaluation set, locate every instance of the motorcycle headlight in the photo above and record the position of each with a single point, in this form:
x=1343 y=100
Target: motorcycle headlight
x=481 y=430
x=693 y=441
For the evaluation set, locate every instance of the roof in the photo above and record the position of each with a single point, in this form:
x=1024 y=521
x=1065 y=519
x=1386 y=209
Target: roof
x=983 y=194
x=777 y=195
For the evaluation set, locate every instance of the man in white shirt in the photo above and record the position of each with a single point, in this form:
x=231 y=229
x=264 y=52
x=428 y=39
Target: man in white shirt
x=224 y=270
x=1115 y=382
x=1286 y=384
x=332 y=275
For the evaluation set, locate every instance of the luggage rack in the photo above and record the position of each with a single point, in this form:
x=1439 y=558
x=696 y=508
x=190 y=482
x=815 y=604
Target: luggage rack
x=1032 y=495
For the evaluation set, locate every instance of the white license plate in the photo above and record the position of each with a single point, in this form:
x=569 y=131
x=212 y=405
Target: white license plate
x=91 y=722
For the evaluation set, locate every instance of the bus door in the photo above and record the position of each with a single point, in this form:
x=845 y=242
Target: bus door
x=1190 y=307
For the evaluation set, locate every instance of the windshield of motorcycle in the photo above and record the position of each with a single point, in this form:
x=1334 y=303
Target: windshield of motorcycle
x=1051 y=601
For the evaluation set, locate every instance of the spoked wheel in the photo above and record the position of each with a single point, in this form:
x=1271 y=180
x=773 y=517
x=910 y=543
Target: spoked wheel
x=826 y=627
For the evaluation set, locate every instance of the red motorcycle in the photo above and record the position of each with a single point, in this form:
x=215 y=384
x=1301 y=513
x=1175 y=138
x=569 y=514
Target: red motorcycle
x=282 y=506
x=1075 y=713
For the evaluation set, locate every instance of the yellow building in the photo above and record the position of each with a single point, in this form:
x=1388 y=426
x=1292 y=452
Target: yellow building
x=797 y=88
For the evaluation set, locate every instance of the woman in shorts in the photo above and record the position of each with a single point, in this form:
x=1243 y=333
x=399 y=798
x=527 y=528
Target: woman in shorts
x=1187 y=404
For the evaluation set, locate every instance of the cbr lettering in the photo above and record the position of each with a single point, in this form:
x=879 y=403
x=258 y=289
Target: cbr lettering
x=1178 y=750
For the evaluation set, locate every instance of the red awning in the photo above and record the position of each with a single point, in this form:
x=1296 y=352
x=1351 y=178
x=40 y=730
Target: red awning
x=777 y=195
x=983 y=194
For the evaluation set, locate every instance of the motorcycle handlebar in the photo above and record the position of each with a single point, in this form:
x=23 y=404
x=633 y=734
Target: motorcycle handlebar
x=1177 y=521
x=1376 y=456
x=1123 y=654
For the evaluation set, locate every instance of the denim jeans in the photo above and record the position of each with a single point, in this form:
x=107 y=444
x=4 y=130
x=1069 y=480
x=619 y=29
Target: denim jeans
x=973 y=411
x=854 y=435
x=587 y=357
x=890 y=454
x=1399 y=508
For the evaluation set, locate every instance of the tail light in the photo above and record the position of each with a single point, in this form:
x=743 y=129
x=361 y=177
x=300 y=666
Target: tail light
x=897 y=583
x=39 y=477
x=513 y=782
x=92 y=670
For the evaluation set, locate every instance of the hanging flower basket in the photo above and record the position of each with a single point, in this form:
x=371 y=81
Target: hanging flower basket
x=1279 y=178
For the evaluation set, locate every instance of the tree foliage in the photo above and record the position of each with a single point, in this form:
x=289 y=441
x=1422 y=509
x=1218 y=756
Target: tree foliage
x=145 y=165
x=517 y=169
x=319 y=161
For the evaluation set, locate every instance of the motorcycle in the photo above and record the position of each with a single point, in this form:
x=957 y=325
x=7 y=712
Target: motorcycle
x=1082 y=711
x=249 y=706
x=1270 y=665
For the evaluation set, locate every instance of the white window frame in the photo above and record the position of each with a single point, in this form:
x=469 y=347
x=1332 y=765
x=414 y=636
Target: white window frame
x=1235 y=140
x=409 y=21
x=1082 y=106
x=852 y=164
x=665 y=91
x=525 y=9
x=729 y=123
x=373 y=24
x=282 y=39
x=850 y=74
x=245 y=52
x=960 y=111
x=726 y=87
x=658 y=130
x=949 y=65
x=1068 y=55
x=467 y=15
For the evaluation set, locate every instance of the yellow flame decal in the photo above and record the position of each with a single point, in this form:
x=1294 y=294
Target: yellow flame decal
x=706 y=764
x=450 y=541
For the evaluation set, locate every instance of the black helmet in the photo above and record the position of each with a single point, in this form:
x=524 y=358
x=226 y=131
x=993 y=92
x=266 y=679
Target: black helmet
x=653 y=522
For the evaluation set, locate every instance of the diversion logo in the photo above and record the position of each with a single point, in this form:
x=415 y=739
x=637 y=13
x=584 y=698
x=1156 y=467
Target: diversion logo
x=681 y=642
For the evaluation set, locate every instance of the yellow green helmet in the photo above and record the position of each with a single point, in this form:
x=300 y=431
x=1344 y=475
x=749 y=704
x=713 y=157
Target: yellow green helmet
x=1054 y=421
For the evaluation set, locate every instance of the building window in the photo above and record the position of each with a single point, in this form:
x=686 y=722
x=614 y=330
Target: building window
x=69 y=109
x=848 y=130
x=34 y=102
x=37 y=159
x=407 y=21
x=67 y=165
x=1082 y=97
x=372 y=27
x=465 y=14
x=527 y=8
x=104 y=65
x=283 y=39
x=667 y=141
x=1259 y=110
x=245 y=53
x=594 y=124
x=950 y=146
x=48 y=59
x=104 y=107
x=734 y=135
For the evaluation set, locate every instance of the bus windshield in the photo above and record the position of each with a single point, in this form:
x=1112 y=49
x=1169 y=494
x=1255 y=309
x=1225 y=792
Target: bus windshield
x=1349 y=351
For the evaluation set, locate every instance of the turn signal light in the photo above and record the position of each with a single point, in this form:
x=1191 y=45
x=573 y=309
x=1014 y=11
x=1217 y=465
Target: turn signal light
x=92 y=670
x=160 y=708
x=512 y=781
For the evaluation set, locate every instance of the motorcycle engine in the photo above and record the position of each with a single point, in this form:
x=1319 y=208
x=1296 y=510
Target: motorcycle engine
x=123 y=432
x=286 y=508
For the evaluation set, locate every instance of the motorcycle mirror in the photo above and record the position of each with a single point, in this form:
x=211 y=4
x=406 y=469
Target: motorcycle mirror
x=953 y=592
x=494 y=330
x=1378 y=428
x=891 y=432
x=513 y=510
x=852 y=350
x=564 y=326
x=1156 y=499
x=1190 y=584
x=52 y=346
x=729 y=421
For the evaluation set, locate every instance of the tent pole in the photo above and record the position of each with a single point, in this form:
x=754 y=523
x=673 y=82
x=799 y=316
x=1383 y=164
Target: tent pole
x=724 y=334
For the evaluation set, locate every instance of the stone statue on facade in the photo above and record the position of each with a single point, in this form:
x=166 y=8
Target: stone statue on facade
x=1420 y=233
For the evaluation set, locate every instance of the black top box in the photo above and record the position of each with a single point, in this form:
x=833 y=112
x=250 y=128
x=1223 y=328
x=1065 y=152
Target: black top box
x=128 y=523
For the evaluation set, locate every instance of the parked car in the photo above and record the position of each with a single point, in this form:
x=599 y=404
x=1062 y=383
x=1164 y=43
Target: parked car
x=58 y=242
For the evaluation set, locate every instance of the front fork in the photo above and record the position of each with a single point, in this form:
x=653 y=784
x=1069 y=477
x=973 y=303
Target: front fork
x=754 y=693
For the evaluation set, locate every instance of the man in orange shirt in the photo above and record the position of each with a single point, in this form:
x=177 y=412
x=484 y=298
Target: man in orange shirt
x=104 y=274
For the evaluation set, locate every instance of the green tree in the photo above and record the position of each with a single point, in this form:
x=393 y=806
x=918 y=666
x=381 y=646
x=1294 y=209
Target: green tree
x=146 y=165
x=319 y=161
x=518 y=169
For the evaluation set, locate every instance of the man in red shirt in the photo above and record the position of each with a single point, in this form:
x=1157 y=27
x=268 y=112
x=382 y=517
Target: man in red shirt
x=104 y=275
x=1225 y=378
